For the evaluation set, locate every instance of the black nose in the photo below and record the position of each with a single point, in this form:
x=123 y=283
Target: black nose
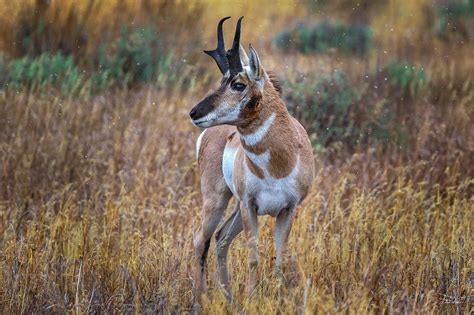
x=193 y=113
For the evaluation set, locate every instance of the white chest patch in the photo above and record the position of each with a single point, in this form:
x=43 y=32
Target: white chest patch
x=270 y=194
x=228 y=159
x=198 y=143
x=259 y=134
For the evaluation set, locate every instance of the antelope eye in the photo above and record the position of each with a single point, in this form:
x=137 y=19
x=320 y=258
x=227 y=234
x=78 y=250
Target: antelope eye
x=238 y=86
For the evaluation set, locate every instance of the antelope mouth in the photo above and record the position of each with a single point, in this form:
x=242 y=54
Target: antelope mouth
x=203 y=122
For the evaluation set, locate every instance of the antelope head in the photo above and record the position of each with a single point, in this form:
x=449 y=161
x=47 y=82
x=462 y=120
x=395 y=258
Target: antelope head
x=238 y=96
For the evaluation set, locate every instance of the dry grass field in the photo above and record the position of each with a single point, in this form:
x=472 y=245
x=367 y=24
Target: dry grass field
x=99 y=194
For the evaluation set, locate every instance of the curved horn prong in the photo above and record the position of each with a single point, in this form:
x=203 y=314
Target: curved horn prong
x=219 y=54
x=236 y=42
x=235 y=65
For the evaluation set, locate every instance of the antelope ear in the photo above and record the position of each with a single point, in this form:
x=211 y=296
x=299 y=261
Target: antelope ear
x=255 y=66
x=243 y=56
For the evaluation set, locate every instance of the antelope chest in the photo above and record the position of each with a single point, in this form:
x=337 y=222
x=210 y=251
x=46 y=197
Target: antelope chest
x=268 y=194
x=271 y=195
x=228 y=161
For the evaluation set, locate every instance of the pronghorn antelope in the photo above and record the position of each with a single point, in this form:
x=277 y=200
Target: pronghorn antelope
x=253 y=150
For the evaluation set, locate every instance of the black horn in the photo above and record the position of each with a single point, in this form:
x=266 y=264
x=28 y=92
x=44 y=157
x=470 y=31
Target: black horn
x=233 y=54
x=219 y=54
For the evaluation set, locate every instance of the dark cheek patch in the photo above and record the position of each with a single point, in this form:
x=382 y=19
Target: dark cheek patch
x=253 y=102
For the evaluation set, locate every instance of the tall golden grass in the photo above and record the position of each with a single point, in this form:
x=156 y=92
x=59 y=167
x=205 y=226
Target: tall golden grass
x=99 y=199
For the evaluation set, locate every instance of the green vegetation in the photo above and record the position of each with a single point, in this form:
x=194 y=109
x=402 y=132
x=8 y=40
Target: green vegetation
x=355 y=38
x=68 y=48
x=407 y=77
x=335 y=112
x=323 y=105
x=136 y=56
x=455 y=17
x=44 y=71
x=139 y=56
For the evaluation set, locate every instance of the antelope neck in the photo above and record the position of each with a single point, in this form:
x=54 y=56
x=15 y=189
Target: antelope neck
x=254 y=133
x=270 y=143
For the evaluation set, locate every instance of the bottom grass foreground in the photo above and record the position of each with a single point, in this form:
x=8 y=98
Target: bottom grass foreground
x=99 y=202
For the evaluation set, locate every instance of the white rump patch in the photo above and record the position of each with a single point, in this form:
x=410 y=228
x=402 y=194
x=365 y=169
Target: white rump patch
x=259 y=134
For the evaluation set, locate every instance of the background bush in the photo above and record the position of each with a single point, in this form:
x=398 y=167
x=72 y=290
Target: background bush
x=57 y=41
x=355 y=11
x=45 y=70
x=407 y=77
x=455 y=18
x=354 y=38
x=139 y=55
x=335 y=112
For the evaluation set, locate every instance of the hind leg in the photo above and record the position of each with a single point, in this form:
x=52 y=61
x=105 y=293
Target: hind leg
x=215 y=203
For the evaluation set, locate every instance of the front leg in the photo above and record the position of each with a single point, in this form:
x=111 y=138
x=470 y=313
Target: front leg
x=250 y=223
x=283 y=225
x=224 y=237
x=214 y=207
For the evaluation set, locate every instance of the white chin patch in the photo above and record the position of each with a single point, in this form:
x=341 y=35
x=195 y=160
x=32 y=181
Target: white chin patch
x=232 y=115
x=204 y=124
x=206 y=121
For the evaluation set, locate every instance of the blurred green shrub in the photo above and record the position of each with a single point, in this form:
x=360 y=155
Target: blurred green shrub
x=45 y=70
x=333 y=111
x=79 y=28
x=452 y=18
x=137 y=56
x=407 y=77
x=103 y=41
x=42 y=26
x=355 y=38
x=355 y=11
